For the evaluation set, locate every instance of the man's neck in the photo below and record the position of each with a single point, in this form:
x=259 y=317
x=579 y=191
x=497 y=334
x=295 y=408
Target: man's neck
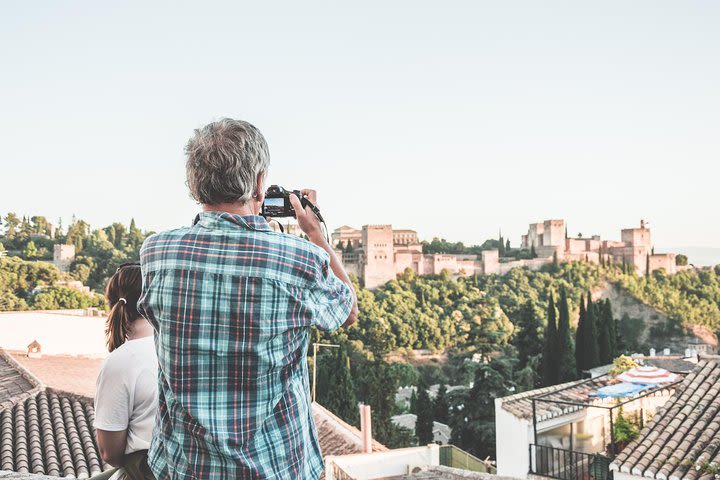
x=241 y=209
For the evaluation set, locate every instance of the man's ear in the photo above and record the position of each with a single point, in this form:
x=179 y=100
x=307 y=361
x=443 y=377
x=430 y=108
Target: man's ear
x=259 y=190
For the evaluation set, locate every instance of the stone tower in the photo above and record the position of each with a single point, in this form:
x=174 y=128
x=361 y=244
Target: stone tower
x=378 y=264
x=63 y=256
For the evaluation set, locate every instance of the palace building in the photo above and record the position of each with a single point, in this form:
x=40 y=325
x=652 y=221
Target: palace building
x=376 y=254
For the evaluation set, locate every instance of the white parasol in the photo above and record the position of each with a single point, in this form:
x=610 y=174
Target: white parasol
x=648 y=376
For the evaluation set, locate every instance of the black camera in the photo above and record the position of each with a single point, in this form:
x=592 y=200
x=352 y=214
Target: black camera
x=277 y=202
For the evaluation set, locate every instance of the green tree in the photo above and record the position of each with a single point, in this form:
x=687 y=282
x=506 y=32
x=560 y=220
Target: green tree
x=550 y=347
x=606 y=333
x=413 y=403
x=441 y=407
x=473 y=425
x=12 y=222
x=30 y=251
x=565 y=344
x=681 y=260
x=580 y=357
x=135 y=236
x=405 y=373
x=341 y=393
x=424 y=423
x=377 y=389
x=528 y=337
x=586 y=338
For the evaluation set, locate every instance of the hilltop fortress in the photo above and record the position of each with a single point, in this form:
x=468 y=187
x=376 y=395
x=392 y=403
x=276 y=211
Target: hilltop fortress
x=377 y=253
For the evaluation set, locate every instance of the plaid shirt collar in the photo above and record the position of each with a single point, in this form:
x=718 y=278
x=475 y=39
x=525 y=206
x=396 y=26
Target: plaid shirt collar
x=231 y=221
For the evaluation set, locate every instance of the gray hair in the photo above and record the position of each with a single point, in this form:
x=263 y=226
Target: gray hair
x=224 y=159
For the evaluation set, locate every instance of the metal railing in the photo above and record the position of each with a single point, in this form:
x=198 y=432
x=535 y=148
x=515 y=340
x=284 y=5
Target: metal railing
x=568 y=464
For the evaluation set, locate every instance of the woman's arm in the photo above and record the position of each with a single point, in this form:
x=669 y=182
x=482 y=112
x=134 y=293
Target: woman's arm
x=112 y=445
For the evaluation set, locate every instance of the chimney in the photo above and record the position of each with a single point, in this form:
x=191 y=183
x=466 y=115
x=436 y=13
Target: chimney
x=366 y=428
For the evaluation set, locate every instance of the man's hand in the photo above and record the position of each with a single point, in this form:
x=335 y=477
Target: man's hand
x=310 y=224
x=306 y=218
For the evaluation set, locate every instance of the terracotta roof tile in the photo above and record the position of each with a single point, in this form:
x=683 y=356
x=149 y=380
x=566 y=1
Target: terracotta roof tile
x=50 y=433
x=16 y=383
x=684 y=436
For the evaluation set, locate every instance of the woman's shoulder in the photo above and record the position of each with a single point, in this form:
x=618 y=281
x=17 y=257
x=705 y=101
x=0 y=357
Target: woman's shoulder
x=131 y=356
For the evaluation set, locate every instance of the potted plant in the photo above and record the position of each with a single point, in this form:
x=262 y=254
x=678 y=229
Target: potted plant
x=624 y=432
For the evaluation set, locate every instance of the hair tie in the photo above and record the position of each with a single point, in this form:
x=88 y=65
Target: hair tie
x=122 y=300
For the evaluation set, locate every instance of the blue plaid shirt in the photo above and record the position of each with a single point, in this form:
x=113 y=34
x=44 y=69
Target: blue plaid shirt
x=232 y=303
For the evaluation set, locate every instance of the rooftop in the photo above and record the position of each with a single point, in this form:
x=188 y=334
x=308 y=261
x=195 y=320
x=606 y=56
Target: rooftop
x=440 y=472
x=45 y=429
x=15 y=383
x=681 y=441
x=50 y=433
x=674 y=364
x=338 y=437
x=521 y=405
x=70 y=373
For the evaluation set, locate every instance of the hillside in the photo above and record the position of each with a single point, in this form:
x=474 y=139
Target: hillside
x=649 y=327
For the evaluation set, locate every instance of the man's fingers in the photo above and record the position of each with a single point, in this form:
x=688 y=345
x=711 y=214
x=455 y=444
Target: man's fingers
x=297 y=206
x=311 y=194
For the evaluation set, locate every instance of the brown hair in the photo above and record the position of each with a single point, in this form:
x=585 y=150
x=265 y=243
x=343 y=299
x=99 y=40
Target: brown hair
x=122 y=293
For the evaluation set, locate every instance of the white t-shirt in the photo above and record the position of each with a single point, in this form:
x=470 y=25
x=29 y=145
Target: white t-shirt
x=126 y=395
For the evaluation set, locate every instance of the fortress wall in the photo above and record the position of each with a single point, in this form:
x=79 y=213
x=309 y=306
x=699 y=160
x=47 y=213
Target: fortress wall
x=663 y=260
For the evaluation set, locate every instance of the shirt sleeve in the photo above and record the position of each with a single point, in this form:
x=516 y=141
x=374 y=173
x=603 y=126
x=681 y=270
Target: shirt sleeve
x=112 y=398
x=331 y=300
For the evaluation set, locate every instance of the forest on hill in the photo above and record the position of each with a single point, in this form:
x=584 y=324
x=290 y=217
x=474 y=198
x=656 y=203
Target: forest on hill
x=500 y=334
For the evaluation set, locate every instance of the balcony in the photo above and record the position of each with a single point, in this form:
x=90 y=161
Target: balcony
x=578 y=430
x=568 y=464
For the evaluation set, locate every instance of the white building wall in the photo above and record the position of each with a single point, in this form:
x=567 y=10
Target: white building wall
x=512 y=439
x=393 y=463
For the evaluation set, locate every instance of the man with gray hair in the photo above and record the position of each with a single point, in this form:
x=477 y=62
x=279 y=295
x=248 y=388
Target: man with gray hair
x=232 y=303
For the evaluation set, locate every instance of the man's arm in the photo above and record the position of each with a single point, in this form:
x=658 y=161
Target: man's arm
x=112 y=445
x=310 y=224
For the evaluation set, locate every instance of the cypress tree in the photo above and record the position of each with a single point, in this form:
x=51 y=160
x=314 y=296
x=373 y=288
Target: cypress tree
x=565 y=344
x=550 y=353
x=441 y=407
x=580 y=357
x=590 y=339
x=341 y=395
x=607 y=340
x=647 y=265
x=528 y=339
x=424 y=422
x=413 y=403
x=533 y=253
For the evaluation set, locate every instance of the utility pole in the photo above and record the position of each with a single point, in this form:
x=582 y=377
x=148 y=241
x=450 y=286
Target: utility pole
x=315 y=349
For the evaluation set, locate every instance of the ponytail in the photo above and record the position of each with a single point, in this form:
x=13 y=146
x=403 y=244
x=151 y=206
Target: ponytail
x=117 y=326
x=122 y=293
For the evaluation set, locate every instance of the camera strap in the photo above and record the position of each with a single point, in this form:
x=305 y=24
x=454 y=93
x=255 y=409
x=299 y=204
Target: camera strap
x=316 y=211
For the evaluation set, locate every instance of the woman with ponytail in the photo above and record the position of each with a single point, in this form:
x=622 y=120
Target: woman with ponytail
x=126 y=398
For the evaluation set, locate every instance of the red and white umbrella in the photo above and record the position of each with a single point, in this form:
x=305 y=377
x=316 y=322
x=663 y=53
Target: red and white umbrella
x=648 y=376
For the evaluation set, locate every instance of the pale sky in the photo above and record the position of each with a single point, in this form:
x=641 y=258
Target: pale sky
x=452 y=118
